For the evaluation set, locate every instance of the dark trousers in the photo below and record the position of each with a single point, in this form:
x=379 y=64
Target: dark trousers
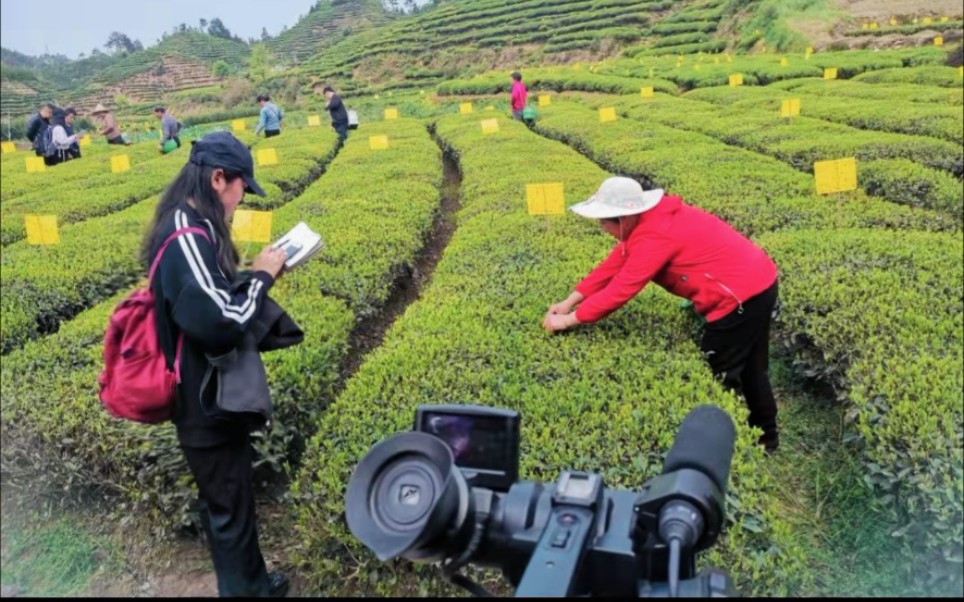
x=342 y=129
x=737 y=349
x=270 y=133
x=225 y=482
x=61 y=156
x=117 y=140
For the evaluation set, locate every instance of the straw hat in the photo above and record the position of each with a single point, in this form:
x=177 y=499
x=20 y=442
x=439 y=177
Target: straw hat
x=617 y=197
x=99 y=109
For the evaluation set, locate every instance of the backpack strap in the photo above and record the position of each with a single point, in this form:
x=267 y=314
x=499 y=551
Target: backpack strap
x=169 y=240
x=150 y=278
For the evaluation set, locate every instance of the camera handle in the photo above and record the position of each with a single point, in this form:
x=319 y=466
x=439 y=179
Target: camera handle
x=554 y=564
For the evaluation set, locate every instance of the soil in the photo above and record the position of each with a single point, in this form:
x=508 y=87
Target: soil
x=881 y=10
x=408 y=286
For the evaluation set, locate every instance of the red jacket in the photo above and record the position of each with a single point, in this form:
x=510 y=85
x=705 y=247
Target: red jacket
x=518 y=95
x=687 y=251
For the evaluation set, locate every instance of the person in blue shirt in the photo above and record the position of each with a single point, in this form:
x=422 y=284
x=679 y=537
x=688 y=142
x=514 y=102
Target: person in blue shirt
x=271 y=116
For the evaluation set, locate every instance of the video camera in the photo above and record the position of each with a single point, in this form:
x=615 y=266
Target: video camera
x=447 y=492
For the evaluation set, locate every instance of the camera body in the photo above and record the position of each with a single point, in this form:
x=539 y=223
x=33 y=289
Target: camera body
x=448 y=492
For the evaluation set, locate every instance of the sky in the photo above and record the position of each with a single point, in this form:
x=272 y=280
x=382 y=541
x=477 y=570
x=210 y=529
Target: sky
x=69 y=28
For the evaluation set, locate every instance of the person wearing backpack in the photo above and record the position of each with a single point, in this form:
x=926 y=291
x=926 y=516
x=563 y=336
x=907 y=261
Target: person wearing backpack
x=59 y=142
x=203 y=311
x=36 y=126
x=170 y=128
x=271 y=116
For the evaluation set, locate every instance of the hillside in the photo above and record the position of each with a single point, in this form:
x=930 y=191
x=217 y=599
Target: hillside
x=463 y=38
x=326 y=23
x=460 y=37
x=180 y=61
x=21 y=88
x=360 y=48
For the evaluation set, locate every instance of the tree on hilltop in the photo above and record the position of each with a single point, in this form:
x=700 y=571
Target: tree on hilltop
x=217 y=29
x=119 y=43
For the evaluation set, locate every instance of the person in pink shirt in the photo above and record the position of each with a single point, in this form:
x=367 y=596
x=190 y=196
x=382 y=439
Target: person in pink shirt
x=519 y=93
x=694 y=254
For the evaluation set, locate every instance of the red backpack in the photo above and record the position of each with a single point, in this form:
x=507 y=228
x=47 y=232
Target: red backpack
x=136 y=383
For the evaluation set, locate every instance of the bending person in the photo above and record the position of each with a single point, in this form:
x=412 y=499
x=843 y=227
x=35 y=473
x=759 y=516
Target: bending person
x=694 y=254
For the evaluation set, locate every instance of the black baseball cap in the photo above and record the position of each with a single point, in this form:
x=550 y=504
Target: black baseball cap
x=222 y=149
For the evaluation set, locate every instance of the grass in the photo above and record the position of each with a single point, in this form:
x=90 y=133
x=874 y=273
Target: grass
x=47 y=556
x=851 y=547
x=772 y=21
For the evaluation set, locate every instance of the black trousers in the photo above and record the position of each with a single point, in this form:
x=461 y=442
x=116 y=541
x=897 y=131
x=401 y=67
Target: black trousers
x=117 y=140
x=342 y=129
x=270 y=133
x=737 y=349
x=225 y=481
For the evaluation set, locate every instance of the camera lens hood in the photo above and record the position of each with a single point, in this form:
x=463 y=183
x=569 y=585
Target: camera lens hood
x=404 y=493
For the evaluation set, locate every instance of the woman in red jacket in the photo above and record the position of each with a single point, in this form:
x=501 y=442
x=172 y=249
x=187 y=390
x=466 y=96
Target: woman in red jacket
x=519 y=94
x=696 y=255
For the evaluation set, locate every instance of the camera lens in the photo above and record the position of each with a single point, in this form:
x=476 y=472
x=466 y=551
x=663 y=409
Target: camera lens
x=403 y=493
x=407 y=498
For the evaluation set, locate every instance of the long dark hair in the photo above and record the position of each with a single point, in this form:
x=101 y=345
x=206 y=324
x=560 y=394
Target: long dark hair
x=59 y=117
x=194 y=182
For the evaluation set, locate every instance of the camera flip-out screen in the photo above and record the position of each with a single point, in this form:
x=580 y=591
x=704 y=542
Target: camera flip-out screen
x=484 y=441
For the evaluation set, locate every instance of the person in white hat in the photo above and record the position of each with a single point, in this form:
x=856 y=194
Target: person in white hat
x=730 y=281
x=109 y=127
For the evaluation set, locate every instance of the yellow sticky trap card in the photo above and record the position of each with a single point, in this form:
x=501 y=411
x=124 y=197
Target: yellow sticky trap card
x=647 y=92
x=391 y=113
x=736 y=79
x=251 y=226
x=8 y=147
x=378 y=142
x=545 y=199
x=490 y=126
x=790 y=108
x=465 y=108
x=835 y=176
x=314 y=120
x=41 y=229
x=119 y=163
x=830 y=73
x=237 y=125
x=35 y=164
x=545 y=100
x=84 y=140
x=267 y=156
x=607 y=114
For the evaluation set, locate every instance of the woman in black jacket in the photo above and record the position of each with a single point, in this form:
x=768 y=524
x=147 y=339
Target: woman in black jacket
x=195 y=299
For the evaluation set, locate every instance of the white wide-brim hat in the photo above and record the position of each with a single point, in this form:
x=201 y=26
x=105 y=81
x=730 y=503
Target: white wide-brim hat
x=618 y=196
